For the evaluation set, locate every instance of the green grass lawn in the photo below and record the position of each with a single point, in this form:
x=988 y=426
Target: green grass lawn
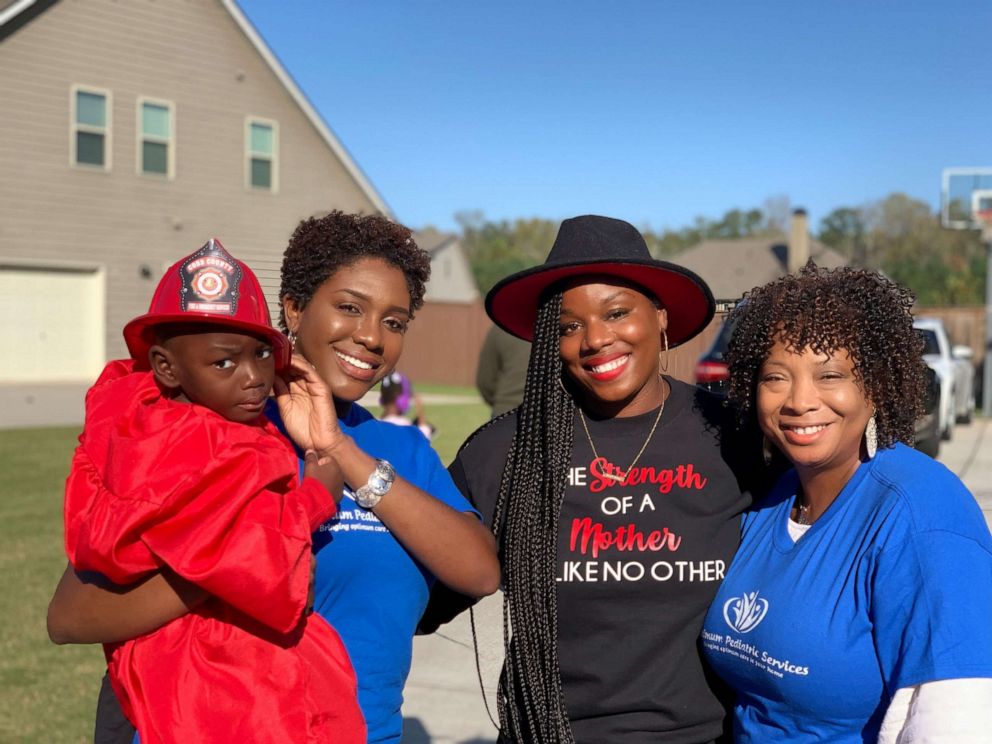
x=49 y=692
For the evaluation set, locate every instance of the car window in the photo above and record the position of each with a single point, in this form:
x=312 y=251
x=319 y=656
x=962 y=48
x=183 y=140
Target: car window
x=930 y=345
x=723 y=339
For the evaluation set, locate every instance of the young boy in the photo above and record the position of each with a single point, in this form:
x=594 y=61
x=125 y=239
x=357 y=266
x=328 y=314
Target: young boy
x=177 y=467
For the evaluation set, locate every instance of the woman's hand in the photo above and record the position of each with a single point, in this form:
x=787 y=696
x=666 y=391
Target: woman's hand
x=307 y=407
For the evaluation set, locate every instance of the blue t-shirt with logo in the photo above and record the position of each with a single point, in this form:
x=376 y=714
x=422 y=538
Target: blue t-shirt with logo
x=368 y=587
x=890 y=588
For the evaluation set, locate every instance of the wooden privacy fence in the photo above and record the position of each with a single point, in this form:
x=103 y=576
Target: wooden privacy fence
x=444 y=340
x=443 y=343
x=965 y=325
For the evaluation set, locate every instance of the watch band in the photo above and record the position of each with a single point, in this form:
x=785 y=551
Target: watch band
x=378 y=485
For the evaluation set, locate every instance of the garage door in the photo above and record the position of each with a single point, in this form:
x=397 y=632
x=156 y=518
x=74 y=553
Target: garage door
x=51 y=324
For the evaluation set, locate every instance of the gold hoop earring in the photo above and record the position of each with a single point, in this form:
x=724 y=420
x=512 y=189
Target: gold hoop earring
x=663 y=367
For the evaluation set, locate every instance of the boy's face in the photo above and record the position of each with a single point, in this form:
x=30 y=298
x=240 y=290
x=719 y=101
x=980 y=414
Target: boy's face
x=229 y=372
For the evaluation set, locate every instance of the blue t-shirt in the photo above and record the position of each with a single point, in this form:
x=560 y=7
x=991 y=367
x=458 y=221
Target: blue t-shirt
x=890 y=588
x=368 y=587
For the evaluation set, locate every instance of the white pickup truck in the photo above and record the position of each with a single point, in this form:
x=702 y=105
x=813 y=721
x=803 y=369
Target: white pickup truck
x=954 y=372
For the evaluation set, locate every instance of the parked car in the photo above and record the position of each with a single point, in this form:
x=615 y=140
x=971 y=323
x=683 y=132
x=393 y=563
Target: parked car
x=927 y=435
x=966 y=392
x=713 y=374
x=711 y=370
x=955 y=374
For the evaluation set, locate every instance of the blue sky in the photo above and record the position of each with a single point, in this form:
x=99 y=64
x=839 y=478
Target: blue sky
x=654 y=112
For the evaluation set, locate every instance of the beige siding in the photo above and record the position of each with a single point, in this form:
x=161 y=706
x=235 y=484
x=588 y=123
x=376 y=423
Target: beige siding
x=189 y=52
x=451 y=276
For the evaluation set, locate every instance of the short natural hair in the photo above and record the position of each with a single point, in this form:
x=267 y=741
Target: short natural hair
x=824 y=310
x=320 y=246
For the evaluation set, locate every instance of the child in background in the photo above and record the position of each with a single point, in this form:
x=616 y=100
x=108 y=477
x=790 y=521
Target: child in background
x=178 y=467
x=395 y=396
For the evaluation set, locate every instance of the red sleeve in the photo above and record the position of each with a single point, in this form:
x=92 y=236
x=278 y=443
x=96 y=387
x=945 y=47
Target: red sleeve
x=249 y=549
x=101 y=530
x=217 y=502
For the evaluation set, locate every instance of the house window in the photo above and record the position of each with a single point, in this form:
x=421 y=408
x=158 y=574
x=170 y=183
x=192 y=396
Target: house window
x=261 y=145
x=90 y=144
x=156 y=143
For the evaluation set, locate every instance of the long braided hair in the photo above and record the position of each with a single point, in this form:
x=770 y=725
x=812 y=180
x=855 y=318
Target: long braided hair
x=530 y=701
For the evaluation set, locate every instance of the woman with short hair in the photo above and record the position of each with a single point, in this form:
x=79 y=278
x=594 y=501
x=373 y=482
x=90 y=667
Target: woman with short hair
x=351 y=284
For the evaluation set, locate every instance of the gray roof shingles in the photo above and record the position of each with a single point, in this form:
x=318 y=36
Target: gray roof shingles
x=731 y=267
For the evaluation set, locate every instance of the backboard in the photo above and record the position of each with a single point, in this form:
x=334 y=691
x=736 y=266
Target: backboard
x=965 y=191
x=966 y=204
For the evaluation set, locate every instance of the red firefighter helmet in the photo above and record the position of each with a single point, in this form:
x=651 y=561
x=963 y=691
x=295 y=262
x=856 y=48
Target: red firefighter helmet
x=208 y=286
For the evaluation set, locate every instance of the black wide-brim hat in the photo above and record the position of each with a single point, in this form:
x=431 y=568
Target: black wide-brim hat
x=593 y=245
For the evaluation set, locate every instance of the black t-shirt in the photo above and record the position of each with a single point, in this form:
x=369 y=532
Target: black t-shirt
x=638 y=563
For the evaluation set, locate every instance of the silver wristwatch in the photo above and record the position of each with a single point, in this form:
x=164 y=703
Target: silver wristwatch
x=378 y=485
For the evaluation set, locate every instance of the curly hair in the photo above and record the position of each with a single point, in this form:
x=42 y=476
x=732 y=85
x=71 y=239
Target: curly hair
x=824 y=310
x=320 y=246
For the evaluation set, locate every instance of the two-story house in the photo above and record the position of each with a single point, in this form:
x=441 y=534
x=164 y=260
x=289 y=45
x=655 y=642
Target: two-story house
x=130 y=133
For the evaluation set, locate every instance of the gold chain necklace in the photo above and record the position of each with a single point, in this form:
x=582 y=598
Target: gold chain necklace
x=614 y=476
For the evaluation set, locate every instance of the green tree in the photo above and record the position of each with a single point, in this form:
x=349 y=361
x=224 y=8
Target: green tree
x=498 y=249
x=898 y=234
x=942 y=267
x=845 y=230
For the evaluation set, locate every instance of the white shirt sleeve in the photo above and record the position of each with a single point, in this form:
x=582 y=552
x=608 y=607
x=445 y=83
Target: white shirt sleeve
x=948 y=711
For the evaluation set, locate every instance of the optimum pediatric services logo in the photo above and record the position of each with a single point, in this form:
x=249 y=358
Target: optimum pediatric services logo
x=744 y=613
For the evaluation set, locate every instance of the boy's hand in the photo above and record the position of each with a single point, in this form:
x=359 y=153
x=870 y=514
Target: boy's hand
x=325 y=470
x=307 y=407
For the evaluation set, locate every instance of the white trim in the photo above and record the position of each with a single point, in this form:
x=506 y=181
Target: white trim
x=15 y=9
x=50 y=264
x=251 y=154
x=107 y=131
x=301 y=100
x=140 y=138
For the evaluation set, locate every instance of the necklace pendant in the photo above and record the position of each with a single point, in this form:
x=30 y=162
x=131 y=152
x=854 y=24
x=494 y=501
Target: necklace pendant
x=613 y=476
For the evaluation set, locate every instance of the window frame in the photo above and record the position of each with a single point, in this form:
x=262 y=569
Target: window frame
x=140 y=138
x=107 y=131
x=249 y=154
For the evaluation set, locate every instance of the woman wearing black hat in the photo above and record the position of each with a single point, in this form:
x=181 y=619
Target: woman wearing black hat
x=617 y=511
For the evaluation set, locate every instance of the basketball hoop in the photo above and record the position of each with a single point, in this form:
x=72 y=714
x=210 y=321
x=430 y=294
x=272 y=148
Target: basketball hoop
x=966 y=204
x=981 y=211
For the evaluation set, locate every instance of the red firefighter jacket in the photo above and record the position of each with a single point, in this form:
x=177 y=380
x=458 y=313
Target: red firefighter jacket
x=155 y=482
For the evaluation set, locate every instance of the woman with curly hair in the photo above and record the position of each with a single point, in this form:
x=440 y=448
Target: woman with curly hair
x=350 y=287
x=858 y=604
